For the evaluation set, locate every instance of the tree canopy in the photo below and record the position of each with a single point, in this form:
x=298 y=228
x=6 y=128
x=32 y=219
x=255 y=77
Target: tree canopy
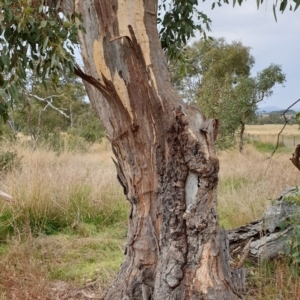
x=219 y=81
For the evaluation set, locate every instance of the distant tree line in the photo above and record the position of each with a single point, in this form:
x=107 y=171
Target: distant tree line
x=275 y=117
x=58 y=117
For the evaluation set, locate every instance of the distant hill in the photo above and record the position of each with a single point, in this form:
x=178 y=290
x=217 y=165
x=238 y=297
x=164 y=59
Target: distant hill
x=269 y=109
x=280 y=112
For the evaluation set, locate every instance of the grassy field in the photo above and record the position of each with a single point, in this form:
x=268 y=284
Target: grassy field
x=269 y=134
x=63 y=237
x=272 y=129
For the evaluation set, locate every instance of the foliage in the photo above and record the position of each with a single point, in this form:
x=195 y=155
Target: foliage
x=297 y=119
x=273 y=119
x=34 y=36
x=177 y=22
x=9 y=160
x=59 y=119
x=292 y=250
x=219 y=81
x=6 y=132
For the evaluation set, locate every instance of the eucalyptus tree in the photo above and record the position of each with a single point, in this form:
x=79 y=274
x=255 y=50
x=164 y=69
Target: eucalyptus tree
x=219 y=81
x=45 y=114
x=164 y=149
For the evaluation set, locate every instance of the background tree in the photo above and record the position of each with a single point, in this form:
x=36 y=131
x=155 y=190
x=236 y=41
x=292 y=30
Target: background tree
x=164 y=149
x=218 y=80
x=56 y=116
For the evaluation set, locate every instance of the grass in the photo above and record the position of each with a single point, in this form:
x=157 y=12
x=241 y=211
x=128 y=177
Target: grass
x=249 y=181
x=272 y=129
x=266 y=136
x=68 y=222
x=273 y=281
x=62 y=193
x=268 y=147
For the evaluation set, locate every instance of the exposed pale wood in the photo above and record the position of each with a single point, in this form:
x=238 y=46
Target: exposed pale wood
x=6 y=197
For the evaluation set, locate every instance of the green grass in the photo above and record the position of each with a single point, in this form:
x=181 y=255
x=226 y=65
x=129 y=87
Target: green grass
x=268 y=147
x=87 y=259
x=79 y=214
x=32 y=265
x=230 y=185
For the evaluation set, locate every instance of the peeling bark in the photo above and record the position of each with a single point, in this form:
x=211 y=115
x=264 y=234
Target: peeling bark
x=165 y=159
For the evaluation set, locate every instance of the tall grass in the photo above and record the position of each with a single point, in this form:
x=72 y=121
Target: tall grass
x=58 y=193
x=68 y=222
x=249 y=181
x=67 y=225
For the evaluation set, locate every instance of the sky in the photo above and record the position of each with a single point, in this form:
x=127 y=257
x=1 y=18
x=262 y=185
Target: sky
x=270 y=42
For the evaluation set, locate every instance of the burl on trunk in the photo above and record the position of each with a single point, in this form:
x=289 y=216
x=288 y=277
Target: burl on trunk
x=165 y=159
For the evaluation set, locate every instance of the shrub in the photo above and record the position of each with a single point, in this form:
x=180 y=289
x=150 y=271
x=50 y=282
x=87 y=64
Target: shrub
x=9 y=160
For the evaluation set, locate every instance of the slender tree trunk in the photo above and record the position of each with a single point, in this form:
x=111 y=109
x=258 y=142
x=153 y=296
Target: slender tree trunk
x=166 y=159
x=241 y=137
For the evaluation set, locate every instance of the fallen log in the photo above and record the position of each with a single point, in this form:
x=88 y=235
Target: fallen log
x=269 y=234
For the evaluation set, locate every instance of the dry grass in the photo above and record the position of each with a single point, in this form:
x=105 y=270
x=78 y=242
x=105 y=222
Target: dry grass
x=22 y=274
x=53 y=192
x=249 y=181
x=68 y=223
x=273 y=281
x=272 y=129
x=57 y=246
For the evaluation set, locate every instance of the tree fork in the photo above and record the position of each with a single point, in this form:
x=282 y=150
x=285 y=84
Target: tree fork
x=165 y=159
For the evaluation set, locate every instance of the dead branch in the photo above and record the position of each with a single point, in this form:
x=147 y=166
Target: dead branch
x=6 y=197
x=49 y=101
x=285 y=123
x=245 y=253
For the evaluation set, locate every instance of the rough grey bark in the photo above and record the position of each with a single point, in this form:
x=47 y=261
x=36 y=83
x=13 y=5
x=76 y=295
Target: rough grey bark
x=269 y=234
x=165 y=159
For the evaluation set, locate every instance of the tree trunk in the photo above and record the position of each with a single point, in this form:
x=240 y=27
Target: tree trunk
x=166 y=159
x=241 y=137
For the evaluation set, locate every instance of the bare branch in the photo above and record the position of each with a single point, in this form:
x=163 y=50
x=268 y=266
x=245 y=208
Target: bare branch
x=285 y=123
x=48 y=100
